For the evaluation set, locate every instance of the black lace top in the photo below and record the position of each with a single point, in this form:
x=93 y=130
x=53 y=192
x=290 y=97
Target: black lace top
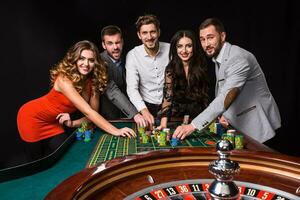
x=181 y=97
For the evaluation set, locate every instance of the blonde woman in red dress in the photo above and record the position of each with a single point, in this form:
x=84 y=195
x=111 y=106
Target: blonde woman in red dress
x=77 y=82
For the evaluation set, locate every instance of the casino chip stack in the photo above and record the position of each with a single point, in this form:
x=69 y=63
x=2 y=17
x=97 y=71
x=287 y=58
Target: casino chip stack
x=162 y=138
x=236 y=138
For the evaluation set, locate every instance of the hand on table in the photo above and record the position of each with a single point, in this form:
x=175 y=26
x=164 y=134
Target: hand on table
x=183 y=131
x=140 y=120
x=148 y=117
x=126 y=132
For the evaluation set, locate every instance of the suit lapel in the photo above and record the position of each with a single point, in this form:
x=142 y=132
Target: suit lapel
x=220 y=73
x=217 y=78
x=107 y=58
x=115 y=73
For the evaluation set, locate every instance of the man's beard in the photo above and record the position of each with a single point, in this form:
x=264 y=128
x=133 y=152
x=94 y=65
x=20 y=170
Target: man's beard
x=216 y=52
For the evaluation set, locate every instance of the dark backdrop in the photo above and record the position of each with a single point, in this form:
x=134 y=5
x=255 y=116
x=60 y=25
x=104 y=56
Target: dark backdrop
x=36 y=35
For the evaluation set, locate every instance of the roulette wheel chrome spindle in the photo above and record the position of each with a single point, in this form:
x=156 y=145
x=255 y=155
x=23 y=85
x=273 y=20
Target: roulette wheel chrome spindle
x=224 y=169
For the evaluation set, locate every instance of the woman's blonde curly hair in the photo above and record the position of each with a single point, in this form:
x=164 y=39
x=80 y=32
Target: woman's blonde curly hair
x=68 y=68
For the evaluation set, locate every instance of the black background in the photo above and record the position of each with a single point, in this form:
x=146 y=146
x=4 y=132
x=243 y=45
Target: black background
x=35 y=35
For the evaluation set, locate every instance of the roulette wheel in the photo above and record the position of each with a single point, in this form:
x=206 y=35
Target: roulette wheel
x=187 y=173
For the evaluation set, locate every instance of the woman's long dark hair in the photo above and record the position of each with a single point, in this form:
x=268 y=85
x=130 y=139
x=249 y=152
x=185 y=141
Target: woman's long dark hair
x=197 y=83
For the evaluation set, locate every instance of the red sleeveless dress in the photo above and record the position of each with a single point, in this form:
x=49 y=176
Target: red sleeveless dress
x=36 y=119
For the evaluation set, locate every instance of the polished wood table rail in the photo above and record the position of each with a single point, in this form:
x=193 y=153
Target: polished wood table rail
x=121 y=177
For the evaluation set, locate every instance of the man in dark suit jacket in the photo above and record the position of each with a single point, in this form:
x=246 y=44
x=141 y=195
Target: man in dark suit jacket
x=114 y=104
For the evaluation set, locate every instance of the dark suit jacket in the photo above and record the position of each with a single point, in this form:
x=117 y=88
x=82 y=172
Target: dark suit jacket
x=114 y=104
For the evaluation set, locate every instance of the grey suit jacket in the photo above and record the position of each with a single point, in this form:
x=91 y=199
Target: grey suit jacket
x=254 y=112
x=114 y=104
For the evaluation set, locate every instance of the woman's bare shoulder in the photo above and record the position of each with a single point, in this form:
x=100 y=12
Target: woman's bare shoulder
x=62 y=82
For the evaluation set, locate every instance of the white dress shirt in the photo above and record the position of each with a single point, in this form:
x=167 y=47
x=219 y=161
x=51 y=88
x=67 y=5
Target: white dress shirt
x=145 y=75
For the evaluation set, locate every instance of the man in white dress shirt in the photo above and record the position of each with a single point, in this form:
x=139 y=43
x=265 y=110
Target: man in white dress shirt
x=145 y=68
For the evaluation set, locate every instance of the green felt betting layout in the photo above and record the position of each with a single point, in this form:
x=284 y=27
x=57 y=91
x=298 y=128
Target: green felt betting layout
x=110 y=147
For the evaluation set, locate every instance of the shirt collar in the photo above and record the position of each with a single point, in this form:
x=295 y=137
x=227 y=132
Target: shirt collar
x=220 y=55
x=113 y=60
x=117 y=62
x=147 y=55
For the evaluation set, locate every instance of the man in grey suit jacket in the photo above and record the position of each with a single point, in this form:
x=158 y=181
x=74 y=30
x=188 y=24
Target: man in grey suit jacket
x=114 y=104
x=243 y=98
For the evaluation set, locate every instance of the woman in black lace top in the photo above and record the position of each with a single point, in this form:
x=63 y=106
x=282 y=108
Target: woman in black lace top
x=186 y=81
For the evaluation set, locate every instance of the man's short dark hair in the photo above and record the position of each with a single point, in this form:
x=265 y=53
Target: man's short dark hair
x=214 y=22
x=147 y=19
x=110 y=30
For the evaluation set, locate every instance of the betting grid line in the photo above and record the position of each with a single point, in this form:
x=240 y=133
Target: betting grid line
x=131 y=146
x=188 y=143
x=208 y=136
x=199 y=140
x=92 y=159
x=153 y=143
x=105 y=138
x=96 y=152
x=212 y=138
x=108 y=148
x=123 y=150
x=99 y=148
x=134 y=126
x=117 y=147
x=135 y=145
